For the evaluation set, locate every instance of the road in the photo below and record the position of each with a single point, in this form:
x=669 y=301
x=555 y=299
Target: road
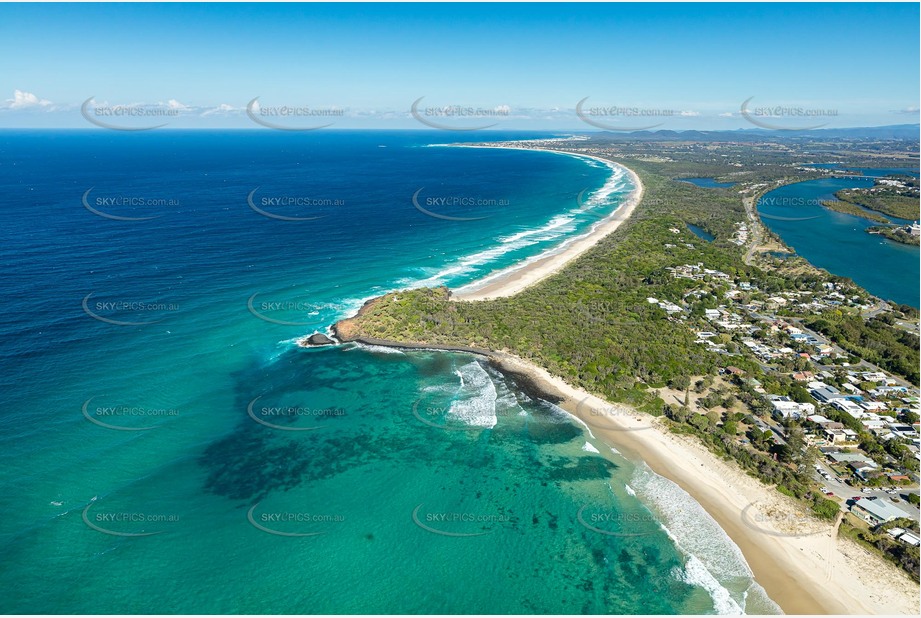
x=862 y=365
x=754 y=225
x=882 y=307
x=846 y=493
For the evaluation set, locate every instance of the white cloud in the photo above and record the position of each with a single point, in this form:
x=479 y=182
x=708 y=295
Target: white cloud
x=25 y=100
x=908 y=110
x=726 y=115
x=222 y=109
x=689 y=114
x=174 y=104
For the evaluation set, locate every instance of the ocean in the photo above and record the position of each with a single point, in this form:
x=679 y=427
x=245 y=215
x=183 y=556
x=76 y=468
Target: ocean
x=166 y=447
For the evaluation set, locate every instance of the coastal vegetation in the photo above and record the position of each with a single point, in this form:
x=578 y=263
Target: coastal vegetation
x=877 y=540
x=897 y=234
x=896 y=196
x=875 y=340
x=850 y=208
x=623 y=322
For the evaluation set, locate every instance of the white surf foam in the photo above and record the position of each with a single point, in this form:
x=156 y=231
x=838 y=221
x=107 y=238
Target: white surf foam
x=590 y=448
x=575 y=419
x=477 y=405
x=714 y=561
x=381 y=349
x=696 y=574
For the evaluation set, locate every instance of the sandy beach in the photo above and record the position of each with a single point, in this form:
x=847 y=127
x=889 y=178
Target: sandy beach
x=517 y=278
x=801 y=563
x=811 y=573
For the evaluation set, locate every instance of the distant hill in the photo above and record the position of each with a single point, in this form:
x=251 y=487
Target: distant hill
x=908 y=132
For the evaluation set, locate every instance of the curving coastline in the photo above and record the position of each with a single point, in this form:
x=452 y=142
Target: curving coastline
x=516 y=278
x=814 y=573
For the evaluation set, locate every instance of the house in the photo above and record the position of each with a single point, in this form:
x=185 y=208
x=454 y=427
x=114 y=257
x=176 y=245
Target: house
x=875 y=511
x=888 y=391
x=907 y=432
x=864 y=470
x=785 y=408
x=848 y=406
x=669 y=308
x=734 y=371
x=909 y=538
x=825 y=393
x=872 y=424
x=840 y=436
x=824 y=423
x=803 y=376
x=853 y=390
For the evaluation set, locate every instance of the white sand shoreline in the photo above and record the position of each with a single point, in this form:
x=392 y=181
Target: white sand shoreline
x=811 y=573
x=518 y=277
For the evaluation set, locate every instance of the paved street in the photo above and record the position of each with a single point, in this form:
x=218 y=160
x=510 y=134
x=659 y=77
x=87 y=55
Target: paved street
x=845 y=492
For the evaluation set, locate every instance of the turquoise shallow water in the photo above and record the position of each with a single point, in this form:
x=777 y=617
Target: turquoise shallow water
x=196 y=461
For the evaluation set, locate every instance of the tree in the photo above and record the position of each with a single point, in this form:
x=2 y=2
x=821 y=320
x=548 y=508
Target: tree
x=796 y=440
x=700 y=421
x=680 y=383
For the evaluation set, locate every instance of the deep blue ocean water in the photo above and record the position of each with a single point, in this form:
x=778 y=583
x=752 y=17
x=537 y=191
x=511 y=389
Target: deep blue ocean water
x=166 y=447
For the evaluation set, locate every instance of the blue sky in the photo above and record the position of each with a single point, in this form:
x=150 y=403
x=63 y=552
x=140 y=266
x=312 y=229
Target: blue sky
x=676 y=66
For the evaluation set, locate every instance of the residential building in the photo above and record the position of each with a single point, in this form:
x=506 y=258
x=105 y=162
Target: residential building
x=876 y=511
